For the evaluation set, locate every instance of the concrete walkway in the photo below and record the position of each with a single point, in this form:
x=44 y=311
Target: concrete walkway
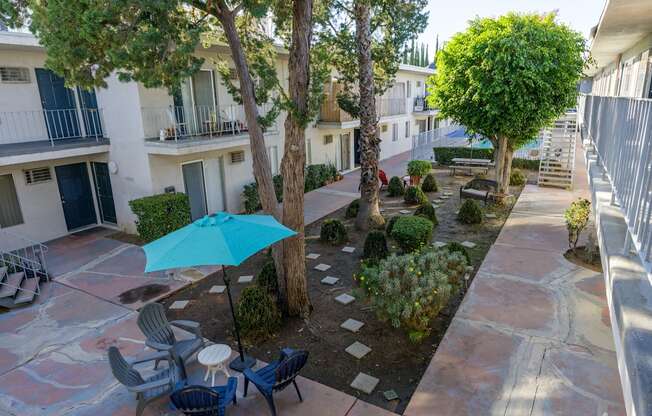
x=532 y=336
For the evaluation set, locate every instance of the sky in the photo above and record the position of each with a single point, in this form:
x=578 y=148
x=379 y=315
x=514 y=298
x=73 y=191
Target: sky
x=448 y=17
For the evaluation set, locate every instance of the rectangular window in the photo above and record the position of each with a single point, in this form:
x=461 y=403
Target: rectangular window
x=10 y=213
x=409 y=89
x=328 y=139
x=407 y=129
x=394 y=132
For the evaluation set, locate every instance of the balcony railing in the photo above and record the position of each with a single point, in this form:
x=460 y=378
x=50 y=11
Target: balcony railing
x=52 y=125
x=421 y=104
x=331 y=111
x=620 y=130
x=180 y=123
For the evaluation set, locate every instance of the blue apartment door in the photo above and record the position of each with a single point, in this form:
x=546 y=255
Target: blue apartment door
x=104 y=192
x=76 y=195
x=59 y=107
x=90 y=112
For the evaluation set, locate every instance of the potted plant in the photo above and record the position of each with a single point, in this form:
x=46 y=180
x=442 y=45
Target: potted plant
x=416 y=169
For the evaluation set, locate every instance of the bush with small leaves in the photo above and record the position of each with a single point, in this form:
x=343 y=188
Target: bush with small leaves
x=410 y=290
x=429 y=183
x=412 y=232
x=161 y=214
x=414 y=195
x=390 y=224
x=418 y=168
x=333 y=232
x=455 y=247
x=352 y=209
x=517 y=178
x=395 y=187
x=577 y=217
x=375 y=247
x=267 y=278
x=470 y=212
x=427 y=211
x=257 y=314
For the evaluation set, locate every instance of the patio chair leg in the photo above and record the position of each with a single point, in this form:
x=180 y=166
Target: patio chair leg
x=270 y=402
x=297 y=389
x=141 y=407
x=246 y=388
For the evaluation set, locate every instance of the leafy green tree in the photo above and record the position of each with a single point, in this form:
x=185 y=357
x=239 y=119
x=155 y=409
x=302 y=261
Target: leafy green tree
x=507 y=78
x=154 y=42
x=377 y=30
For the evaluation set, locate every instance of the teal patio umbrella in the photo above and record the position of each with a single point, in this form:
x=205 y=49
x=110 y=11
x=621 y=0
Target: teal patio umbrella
x=219 y=239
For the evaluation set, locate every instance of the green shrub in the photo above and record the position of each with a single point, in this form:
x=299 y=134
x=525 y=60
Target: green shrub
x=267 y=278
x=429 y=183
x=257 y=314
x=251 y=199
x=318 y=175
x=411 y=232
x=427 y=211
x=333 y=232
x=418 y=168
x=526 y=164
x=375 y=246
x=577 y=217
x=410 y=290
x=445 y=155
x=161 y=214
x=414 y=195
x=390 y=224
x=470 y=212
x=517 y=178
x=278 y=187
x=395 y=187
x=455 y=247
x=352 y=209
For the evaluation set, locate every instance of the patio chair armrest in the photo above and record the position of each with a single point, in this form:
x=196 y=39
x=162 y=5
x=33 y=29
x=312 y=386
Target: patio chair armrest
x=286 y=352
x=257 y=380
x=190 y=326
x=158 y=346
x=151 y=385
x=159 y=355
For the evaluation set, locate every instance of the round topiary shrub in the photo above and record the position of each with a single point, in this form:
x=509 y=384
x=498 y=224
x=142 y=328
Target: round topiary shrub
x=455 y=247
x=414 y=195
x=517 y=178
x=418 y=169
x=470 y=212
x=390 y=224
x=352 y=209
x=427 y=211
x=333 y=232
x=267 y=278
x=395 y=187
x=375 y=246
x=429 y=183
x=257 y=314
x=412 y=232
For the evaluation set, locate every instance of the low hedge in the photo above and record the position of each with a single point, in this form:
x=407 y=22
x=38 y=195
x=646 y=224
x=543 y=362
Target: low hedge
x=251 y=200
x=526 y=164
x=412 y=232
x=445 y=155
x=318 y=176
x=159 y=215
x=517 y=178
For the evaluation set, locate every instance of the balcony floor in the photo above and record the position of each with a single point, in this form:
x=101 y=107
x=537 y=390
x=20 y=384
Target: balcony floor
x=43 y=146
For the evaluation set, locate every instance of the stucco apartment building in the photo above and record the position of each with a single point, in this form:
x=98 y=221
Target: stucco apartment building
x=71 y=159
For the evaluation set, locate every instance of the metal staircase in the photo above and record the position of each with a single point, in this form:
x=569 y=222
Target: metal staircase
x=557 y=164
x=22 y=269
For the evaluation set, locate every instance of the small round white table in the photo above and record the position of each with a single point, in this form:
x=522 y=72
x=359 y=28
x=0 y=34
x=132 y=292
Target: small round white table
x=213 y=357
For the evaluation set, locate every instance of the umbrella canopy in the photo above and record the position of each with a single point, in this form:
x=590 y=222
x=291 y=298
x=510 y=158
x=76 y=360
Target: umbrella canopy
x=219 y=239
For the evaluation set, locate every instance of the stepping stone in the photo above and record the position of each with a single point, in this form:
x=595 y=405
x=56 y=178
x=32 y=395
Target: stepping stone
x=365 y=383
x=245 y=279
x=348 y=249
x=490 y=215
x=405 y=211
x=439 y=244
x=468 y=244
x=179 y=304
x=217 y=289
x=345 y=299
x=322 y=267
x=390 y=395
x=444 y=197
x=312 y=256
x=358 y=350
x=447 y=193
x=352 y=325
x=330 y=280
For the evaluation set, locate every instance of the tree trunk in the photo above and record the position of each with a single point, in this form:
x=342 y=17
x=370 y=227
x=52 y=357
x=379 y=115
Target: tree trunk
x=507 y=168
x=261 y=166
x=294 y=159
x=499 y=155
x=369 y=213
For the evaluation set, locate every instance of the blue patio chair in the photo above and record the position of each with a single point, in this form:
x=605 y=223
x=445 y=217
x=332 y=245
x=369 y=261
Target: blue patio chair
x=160 y=336
x=205 y=401
x=149 y=388
x=277 y=375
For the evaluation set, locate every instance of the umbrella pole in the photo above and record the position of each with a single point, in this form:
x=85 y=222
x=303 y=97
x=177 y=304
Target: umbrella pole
x=241 y=362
